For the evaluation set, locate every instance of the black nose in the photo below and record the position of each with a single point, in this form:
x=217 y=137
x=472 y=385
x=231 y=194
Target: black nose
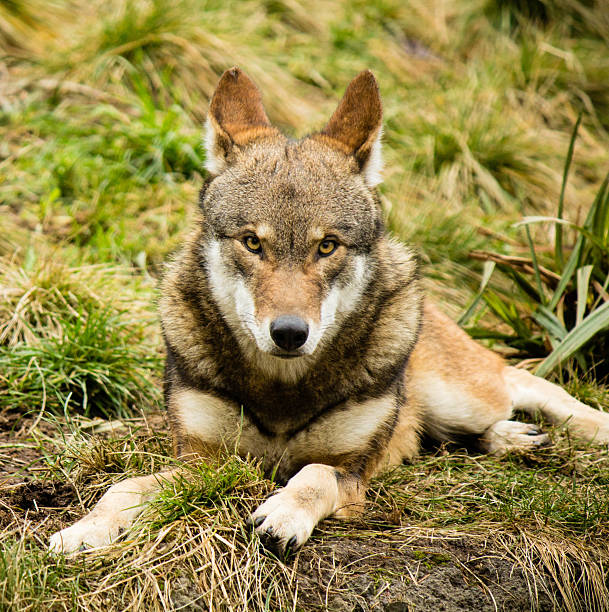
x=289 y=332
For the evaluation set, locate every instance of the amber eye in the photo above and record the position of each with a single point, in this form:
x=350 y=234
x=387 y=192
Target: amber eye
x=252 y=243
x=327 y=247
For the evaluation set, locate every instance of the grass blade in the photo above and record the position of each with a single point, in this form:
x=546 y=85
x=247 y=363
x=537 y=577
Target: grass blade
x=567 y=273
x=542 y=295
x=552 y=325
x=487 y=271
x=572 y=263
x=577 y=337
x=508 y=314
x=599 y=224
x=558 y=254
x=602 y=292
x=583 y=284
x=522 y=282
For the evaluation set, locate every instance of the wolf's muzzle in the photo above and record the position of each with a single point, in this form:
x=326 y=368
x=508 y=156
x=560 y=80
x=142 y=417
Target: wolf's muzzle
x=289 y=332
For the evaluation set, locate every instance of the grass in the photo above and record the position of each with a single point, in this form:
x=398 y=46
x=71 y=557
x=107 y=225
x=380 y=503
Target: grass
x=563 y=304
x=456 y=489
x=101 y=112
x=66 y=347
x=90 y=368
x=193 y=544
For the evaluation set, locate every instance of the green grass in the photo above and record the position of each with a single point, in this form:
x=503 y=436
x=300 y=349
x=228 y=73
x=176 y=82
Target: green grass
x=526 y=491
x=87 y=168
x=101 y=116
x=564 y=304
x=28 y=574
x=91 y=368
x=73 y=340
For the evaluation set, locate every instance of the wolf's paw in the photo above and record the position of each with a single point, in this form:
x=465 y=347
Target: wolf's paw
x=505 y=436
x=596 y=429
x=87 y=533
x=283 y=523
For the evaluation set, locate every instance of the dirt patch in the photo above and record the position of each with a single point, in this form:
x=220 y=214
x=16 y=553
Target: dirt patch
x=17 y=454
x=28 y=490
x=451 y=575
x=35 y=501
x=37 y=496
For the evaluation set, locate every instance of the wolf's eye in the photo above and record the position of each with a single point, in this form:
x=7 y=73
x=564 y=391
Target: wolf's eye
x=327 y=247
x=252 y=243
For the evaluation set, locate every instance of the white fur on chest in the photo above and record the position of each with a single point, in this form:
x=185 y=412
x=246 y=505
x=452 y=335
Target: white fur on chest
x=220 y=423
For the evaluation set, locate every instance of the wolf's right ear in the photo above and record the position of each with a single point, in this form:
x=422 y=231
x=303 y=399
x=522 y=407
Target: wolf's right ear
x=356 y=126
x=236 y=118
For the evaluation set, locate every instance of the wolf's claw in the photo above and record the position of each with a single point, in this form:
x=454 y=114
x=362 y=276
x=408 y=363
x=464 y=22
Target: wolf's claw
x=505 y=436
x=282 y=523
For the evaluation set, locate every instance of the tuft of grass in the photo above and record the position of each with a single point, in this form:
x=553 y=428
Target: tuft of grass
x=40 y=290
x=577 y=19
x=24 y=25
x=91 y=367
x=65 y=347
x=28 y=574
x=564 y=305
x=210 y=485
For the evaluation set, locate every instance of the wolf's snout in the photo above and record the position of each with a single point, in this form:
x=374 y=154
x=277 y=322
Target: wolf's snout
x=289 y=332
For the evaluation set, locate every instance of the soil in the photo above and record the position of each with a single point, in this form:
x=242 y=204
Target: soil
x=16 y=457
x=22 y=496
x=424 y=575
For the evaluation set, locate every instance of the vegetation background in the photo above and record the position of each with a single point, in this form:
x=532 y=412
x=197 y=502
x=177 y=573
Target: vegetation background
x=101 y=112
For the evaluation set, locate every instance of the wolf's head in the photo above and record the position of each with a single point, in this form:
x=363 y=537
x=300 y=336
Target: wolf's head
x=289 y=227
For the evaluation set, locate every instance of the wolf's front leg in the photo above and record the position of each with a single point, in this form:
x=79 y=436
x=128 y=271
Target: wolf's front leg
x=286 y=520
x=114 y=513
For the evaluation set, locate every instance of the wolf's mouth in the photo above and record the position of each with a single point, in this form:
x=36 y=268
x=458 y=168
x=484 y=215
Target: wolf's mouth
x=287 y=355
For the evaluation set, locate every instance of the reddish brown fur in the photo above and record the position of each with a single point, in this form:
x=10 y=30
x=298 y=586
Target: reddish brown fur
x=236 y=106
x=357 y=120
x=278 y=291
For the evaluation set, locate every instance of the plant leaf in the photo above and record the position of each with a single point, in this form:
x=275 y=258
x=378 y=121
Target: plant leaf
x=542 y=295
x=551 y=323
x=558 y=254
x=577 y=337
x=583 y=284
x=567 y=273
x=487 y=271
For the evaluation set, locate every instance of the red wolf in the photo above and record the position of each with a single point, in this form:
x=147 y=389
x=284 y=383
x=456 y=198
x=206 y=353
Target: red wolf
x=297 y=330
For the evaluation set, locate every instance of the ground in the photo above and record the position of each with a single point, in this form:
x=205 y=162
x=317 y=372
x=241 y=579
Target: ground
x=388 y=569
x=385 y=560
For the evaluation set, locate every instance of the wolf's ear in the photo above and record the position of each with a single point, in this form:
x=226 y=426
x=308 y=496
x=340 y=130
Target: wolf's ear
x=356 y=126
x=236 y=117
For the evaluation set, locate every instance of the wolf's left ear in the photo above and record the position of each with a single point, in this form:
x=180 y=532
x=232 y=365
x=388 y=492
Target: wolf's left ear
x=236 y=118
x=356 y=126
